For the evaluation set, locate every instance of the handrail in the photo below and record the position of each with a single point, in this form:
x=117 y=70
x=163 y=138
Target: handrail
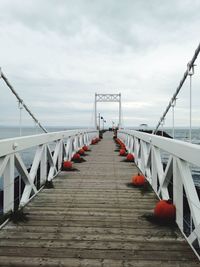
x=175 y=172
x=46 y=163
x=10 y=145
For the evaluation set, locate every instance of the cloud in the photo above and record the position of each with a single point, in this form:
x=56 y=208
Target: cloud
x=57 y=54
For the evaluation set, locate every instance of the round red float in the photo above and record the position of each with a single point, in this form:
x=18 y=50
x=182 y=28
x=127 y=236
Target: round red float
x=85 y=148
x=165 y=210
x=130 y=157
x=67 y=165
x=76 y=156
x=138 y=180
x=81 y=151
x=94 y=142
x=122 y=152
x=117 y=140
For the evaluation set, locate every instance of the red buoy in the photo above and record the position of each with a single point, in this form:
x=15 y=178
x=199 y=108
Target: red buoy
x=93 y=142
x=138 y=180
x=123 y=146
x=117 y=140
x=85 y=148
x=76 y=156
x=130 y=157
x=122 y=152
x=81 y=151
x=67 y=165
x=165 y=210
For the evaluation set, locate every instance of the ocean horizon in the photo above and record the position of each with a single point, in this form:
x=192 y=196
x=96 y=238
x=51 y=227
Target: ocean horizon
x=181 y=132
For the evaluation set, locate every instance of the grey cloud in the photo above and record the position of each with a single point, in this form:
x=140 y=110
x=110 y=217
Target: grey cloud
x=65 y=51
x=129 y=23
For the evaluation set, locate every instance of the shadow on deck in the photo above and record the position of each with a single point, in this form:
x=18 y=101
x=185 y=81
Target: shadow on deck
x=91 y=218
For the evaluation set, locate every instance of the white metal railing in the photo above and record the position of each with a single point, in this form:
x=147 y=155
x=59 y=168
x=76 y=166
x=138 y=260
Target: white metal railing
x=46 y=162
x=172 y=179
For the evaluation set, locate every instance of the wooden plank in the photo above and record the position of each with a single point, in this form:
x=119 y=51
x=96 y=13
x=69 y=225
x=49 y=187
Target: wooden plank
x=117 y=254
x=99 y=245
x=74 y=262
x=94 y=231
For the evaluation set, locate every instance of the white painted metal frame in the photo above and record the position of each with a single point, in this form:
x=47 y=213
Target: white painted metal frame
x=147 y=149
x=108 y=98
x=67 y=143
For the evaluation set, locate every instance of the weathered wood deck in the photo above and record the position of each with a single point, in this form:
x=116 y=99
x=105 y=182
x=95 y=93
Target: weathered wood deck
x=91 y=218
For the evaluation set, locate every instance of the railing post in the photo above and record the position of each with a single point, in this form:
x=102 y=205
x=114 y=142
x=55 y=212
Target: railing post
x=178 y=194
x=67 y=149
x=60 y=154
x=154 y=170
x=8 y=185
x=81 y=140
x=76 y=143
x=144 y=155
x=43 y=166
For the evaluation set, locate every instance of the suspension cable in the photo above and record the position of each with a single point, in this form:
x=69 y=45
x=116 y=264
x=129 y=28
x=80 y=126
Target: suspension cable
x=191 y=72
x=21 y=102
x=190 y=135
x=20 y=118
x=173 y=126
x=189 y=67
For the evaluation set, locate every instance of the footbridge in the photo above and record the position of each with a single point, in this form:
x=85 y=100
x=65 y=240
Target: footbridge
x=91 y=216
x=89 y=213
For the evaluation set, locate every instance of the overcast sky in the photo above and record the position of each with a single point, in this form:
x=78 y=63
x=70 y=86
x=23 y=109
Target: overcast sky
x=58 y=53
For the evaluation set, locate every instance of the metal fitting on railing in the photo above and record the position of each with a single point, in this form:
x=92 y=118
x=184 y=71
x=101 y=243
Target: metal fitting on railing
x=14 y=146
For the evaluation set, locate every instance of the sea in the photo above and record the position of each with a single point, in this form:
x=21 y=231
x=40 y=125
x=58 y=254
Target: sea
x=27 y=155
x=14 y=131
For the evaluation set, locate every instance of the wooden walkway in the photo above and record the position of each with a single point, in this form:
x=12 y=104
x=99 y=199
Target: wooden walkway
x=91 y=218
